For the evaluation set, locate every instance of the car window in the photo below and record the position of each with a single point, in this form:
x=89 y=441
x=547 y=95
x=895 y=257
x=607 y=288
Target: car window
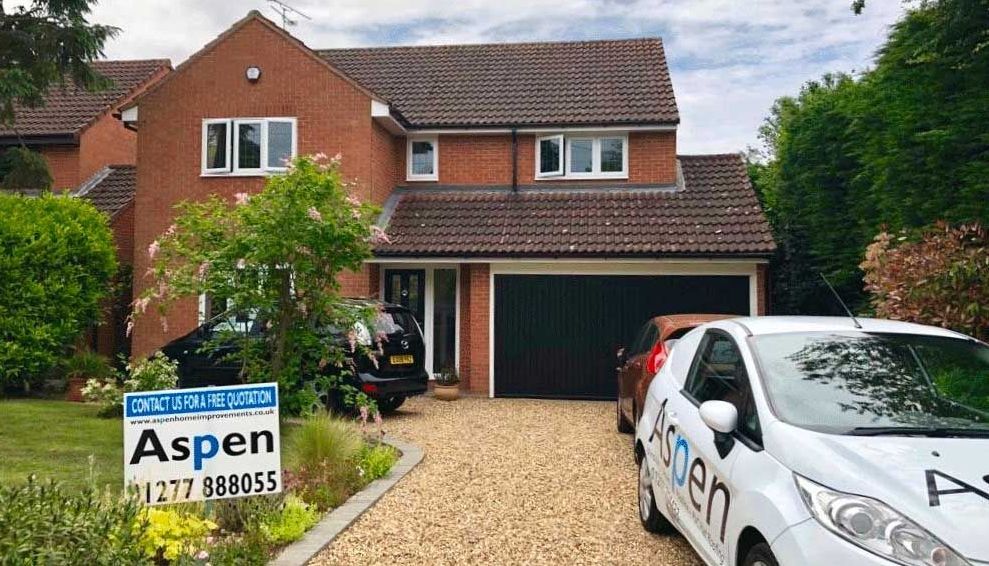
x=718 y=374
x=647 y=336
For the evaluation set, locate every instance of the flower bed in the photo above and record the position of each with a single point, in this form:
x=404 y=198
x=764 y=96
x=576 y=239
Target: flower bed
x=327 y=460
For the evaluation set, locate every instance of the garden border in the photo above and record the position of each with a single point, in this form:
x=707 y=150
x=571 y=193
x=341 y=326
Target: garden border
x=335 y=522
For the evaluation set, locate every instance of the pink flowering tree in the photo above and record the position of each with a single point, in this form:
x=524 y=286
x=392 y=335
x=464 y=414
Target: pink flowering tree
x=275 y=259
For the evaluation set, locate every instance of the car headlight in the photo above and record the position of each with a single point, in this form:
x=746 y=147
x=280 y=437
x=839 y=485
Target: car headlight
x=874 y=526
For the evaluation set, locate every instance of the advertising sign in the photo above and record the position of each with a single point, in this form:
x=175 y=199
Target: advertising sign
x=205 y=443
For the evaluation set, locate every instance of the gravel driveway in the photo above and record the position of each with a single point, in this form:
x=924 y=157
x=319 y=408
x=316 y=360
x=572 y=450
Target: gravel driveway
x=508 y=481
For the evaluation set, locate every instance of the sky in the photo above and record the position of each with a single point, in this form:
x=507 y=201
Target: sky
x=729 y=59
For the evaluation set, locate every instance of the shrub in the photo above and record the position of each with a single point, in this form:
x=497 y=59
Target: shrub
x=375 y=461
x=44 y=524
x=86 y=364
x=448 y=377
x=152 y=374
x=245 y=513
x=24 y=170
x=171 y=534
x=941 y=278
x=57 y=259
x=248 y=550
x=321 y=457
x=290 y=522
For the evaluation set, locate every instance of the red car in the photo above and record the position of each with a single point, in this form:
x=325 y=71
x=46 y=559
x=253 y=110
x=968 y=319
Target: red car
x=638 y=363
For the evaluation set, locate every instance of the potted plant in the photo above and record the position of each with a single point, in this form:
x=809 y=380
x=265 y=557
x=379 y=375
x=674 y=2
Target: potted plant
x=446 y=387
x=80 y=368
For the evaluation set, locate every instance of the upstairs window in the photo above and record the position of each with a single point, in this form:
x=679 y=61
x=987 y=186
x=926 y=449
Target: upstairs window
x=248 y=146
x=582 y=157
x=423 y=160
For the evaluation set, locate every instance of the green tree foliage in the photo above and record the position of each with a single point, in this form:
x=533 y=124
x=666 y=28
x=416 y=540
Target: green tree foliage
x=901 y=146
x=276 y=257
x=24 y=170
x=57 y=259
x=42 y=44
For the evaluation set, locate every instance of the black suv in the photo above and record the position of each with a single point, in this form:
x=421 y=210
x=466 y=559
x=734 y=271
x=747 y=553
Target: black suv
x=400 y=371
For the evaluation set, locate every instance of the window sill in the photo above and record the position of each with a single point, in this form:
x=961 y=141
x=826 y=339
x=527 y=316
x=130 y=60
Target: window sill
x=242 y=174
x=590 y=177
x=432 y=178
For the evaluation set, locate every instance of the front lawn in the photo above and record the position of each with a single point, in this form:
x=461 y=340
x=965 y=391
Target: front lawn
x=54 y=439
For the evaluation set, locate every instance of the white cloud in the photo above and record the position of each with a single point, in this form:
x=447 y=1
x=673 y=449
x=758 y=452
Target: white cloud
x=729 y=58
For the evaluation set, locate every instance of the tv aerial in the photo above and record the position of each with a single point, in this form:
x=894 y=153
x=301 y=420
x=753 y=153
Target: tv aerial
x=286 y=12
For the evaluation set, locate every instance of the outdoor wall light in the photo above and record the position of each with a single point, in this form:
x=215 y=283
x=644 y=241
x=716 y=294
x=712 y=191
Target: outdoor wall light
x=253 y=74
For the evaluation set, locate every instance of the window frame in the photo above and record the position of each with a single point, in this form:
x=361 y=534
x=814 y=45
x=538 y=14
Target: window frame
x=566 y=163
x=205 y=146
x=233 y=145
x=561 y=167
x=435 y=175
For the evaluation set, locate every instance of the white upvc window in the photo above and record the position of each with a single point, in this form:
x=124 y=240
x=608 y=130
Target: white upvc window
x=422 y=159
x=549 y=156
x=248 y=146
x=582 y=156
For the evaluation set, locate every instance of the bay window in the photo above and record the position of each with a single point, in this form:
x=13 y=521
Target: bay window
x=247 y=146
x=582 y=156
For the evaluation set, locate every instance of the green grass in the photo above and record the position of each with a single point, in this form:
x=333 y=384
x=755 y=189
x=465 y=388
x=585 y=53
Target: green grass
x=54 y=439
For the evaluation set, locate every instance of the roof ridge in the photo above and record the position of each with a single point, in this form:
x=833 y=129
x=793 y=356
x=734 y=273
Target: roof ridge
x=707 y=155
x=644 y=39
x=145 y=60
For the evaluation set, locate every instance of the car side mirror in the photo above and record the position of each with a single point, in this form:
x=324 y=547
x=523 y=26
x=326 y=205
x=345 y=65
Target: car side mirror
x=722 y=418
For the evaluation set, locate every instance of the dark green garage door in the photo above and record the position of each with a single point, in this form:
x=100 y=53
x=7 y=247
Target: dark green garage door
x=556 y=335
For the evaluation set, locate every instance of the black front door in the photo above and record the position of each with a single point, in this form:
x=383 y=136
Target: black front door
x=407 y=287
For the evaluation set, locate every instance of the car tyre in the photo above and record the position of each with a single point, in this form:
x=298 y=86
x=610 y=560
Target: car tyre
x=760 y=555
x=652 y=520
x=390 y=405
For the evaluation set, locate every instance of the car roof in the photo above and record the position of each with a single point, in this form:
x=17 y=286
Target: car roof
x=786 y=324
x=670 y=323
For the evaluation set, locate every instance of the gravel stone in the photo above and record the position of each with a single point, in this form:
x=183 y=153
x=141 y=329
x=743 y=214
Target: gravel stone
x=509 y=481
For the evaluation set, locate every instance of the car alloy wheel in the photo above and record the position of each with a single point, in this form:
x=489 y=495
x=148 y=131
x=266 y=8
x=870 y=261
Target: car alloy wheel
x=645 y=492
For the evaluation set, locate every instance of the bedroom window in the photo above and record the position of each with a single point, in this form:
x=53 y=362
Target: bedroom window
x=423 y=159
x=582 y=157
x=247 y=146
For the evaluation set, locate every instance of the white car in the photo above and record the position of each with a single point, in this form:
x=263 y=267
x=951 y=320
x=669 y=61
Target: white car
x=808 y=441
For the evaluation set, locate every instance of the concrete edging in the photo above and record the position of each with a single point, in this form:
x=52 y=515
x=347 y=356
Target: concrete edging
x=335 y=522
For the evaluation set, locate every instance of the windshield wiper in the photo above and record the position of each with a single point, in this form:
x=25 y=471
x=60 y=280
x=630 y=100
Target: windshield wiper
x=936 y=432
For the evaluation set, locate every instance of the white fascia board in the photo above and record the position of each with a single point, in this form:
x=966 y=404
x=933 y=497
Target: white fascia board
x=566 y=262
x=542 y=130
x=129 y=115
x=381 y=113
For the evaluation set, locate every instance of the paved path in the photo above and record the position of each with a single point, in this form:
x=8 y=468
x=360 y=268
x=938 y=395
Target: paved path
x=509 y=482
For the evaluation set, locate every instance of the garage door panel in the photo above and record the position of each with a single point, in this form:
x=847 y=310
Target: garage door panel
x=556 y=336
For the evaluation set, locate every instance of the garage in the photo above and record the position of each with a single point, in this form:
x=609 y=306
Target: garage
x=555 y=336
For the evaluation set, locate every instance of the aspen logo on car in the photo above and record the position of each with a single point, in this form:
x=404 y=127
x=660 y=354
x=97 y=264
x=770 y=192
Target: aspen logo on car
x=205 y=443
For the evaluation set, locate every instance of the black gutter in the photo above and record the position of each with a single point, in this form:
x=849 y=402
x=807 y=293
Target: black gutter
x=52 y=139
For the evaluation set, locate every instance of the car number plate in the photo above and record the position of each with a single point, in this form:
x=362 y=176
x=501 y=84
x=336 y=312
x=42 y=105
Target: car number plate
x=401 y=360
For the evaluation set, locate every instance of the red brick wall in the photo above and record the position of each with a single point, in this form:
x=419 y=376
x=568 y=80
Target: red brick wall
x=105 y=142
x=384 y=164
x=475 y=295
x=762 y=289
x=333 y=117
x=63 y=161
x=123 y=234
x=469 y=160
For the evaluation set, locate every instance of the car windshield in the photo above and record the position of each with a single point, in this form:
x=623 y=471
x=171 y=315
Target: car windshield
x=862 y=383
x=394 y=322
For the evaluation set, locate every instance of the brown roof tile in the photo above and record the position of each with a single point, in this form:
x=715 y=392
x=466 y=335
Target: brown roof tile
x=514 y=84
x=110 y=189
x=70 y=109
x=715 y=213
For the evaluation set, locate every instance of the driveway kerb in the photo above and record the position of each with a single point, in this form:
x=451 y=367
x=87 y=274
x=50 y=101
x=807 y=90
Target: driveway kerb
x=336 y=521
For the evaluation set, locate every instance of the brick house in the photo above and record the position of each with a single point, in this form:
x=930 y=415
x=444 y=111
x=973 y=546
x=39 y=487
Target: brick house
x=91 y=153
x=537 y=208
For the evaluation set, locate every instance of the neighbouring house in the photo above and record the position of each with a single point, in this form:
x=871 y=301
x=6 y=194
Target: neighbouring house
x=92 y=153
x=537 y=208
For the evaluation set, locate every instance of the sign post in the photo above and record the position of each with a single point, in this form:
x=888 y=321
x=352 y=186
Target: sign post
x=202 y=444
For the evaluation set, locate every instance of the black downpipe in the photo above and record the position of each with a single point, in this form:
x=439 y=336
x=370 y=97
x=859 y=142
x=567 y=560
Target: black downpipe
x=515 y=160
